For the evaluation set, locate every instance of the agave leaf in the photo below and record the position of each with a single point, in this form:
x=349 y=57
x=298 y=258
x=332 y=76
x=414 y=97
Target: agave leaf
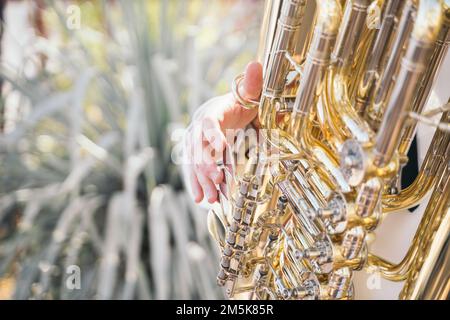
x=163 y=71
x=110 y=256
x=83 y=168
x=143 y=284
x=112 y=156
x=35 y=199
x=64 y=227
x=44 y=108
x=132 y=252
x=178 y=217
x=159 y=243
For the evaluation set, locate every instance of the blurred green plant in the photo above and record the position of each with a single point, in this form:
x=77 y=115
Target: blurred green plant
x=86 y=176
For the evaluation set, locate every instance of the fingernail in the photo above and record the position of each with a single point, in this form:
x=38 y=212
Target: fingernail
x=253 y=80
x=212 y=200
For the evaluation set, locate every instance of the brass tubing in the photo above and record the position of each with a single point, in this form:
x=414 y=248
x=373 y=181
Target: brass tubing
x=412 y=68
x=388 y=270
x=339 y=119
x=267 y=33
x=354 y=19
x=424 y=182
x=429 y=79
x=433 y=281
x=367 y=85
x=424 y=235
x=301 y=230
x=289 y=17
x=385 y=82
x=289 y=21
x=429 y=250
x=326 y=158
x=327 y=23
x=317 y=60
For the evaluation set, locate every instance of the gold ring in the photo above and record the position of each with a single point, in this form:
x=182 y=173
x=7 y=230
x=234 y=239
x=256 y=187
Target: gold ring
x=245 y=103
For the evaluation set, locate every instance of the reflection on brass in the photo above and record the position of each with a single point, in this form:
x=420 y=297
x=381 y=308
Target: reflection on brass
x=302 y=211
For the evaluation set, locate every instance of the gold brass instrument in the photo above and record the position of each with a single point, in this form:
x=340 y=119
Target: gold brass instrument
x=345 y=84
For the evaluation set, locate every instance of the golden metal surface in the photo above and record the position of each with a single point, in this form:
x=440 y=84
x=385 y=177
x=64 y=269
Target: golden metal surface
x=304 y=208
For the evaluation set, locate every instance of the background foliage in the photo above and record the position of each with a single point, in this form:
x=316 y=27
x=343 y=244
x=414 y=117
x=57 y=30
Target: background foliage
x=86 y=176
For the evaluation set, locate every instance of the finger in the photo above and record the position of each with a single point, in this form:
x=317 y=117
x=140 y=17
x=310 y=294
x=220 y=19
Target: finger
x=227 y=174
x=250 y=89
x=214 y=173
x=208 y=166
x=214 y=135
x=253 y=80
x=202 y=153
x=195 y=143
x=197 y=190
x=209 y=189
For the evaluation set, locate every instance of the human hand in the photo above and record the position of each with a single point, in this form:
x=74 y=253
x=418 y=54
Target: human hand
x=206 y=136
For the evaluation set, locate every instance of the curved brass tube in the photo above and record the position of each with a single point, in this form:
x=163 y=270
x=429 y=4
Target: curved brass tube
x=314 y=69
x=385 y=83
x=378 y=51
x=400 y=271
x=297 y=229
x=391 y=271
x=276 y=65
x=423 y=238
x=339 y=119
x=432 y=281
x=412 y=68
x=439 y=54
x=409 y=197
x=327 y=23
x=424 y=182
x=323 y=155
x=354 y=19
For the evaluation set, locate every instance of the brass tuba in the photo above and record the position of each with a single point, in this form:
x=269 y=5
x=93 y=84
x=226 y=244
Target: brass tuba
x=345 y=84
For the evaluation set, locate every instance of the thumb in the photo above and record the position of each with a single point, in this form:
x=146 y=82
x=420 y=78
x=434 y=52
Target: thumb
x=253 y=80
x=250 y=89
